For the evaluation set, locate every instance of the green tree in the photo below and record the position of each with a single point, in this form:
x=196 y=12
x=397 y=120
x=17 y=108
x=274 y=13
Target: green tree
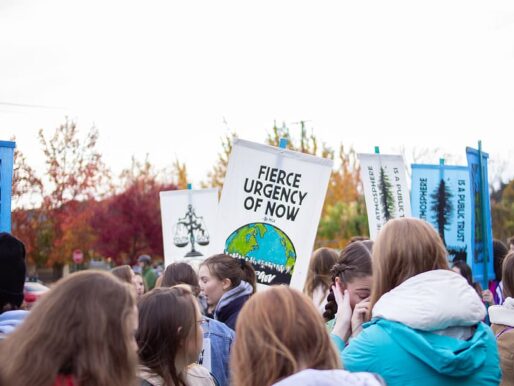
x=216 y=176
x=386 y=195
x=502 y=210
x=442 y=207
x=344 y=211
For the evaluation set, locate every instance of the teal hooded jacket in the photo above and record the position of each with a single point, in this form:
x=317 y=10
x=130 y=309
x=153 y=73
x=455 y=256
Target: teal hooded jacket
x=427 y=333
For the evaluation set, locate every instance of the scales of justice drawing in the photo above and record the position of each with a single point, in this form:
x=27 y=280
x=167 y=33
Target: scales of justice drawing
x=191 y=229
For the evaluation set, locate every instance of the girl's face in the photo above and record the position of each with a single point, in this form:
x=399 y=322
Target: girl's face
x=137 y=281
x=195 y=345
x=359 y=288
x=211 y=286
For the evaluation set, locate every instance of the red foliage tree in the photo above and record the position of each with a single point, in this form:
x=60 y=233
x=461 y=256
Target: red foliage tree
x=129 y=223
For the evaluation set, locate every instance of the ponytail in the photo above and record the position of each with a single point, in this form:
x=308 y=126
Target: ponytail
x=248 y=274
x=223 y=266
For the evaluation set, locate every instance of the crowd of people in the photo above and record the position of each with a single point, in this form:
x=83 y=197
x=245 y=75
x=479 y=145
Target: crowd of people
x=395 y=311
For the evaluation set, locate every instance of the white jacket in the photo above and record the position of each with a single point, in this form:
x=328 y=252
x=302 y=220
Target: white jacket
x=439 y=301
x=503 y=314
x=330 y=378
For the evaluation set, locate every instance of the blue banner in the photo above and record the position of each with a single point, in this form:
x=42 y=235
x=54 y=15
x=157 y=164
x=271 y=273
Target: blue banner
x=6 y=175
x=482 y=262
x=441 y=196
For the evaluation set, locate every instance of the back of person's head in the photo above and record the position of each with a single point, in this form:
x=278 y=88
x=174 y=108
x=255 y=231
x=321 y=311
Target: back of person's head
x=278 y=333
x=464 y=270
x=322 y=261
x=508 y=275
x=405 y=247
x=12 y=272
x=168 y=332
x=181 y=273
x=145 y=260
x=358 y=238
x=353 y=263
x=124 y=273
x=226 y=267
x=83 y=327
x=500 y=250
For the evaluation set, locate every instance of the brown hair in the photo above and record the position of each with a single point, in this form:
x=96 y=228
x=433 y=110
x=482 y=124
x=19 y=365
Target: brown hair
x=178 y=273
x=465 y=272
x=167 y=319
x=322 y=261
x=80 y=328
x=500 y=250
x=226 y=267
x=123 y=272
x=354 y=262
x=279 y=344
x=405 y=247
x=508 y=275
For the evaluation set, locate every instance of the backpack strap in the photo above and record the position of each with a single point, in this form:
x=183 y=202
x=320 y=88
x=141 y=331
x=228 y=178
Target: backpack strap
x=506 y=329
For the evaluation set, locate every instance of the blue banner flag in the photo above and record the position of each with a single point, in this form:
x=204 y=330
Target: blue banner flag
x=6 y=176
x=482 y=262
x=441 y=196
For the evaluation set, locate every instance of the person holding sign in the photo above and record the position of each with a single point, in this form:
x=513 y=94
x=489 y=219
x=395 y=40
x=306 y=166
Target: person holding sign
x=426 y=326
x=227 y=284
x=281 y=340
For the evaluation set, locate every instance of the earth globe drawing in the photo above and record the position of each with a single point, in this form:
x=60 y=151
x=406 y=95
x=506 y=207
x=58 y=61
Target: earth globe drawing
x=267 y=247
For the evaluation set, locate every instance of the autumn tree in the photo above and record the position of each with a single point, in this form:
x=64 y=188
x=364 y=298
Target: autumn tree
x=27 y=187
x=502 y=210
x=180 y=172
x=74 y=166
x=216 y=176
x=77 y=177
x=344 y=211
x=28 y=223
x=129 y=223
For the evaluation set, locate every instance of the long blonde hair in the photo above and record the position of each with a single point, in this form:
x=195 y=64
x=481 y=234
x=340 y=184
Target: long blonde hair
x=80 y=328
x=279 y=333
x=405 y=247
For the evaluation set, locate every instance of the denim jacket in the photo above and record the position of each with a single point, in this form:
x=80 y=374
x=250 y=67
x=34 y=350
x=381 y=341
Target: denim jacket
x=215 y=356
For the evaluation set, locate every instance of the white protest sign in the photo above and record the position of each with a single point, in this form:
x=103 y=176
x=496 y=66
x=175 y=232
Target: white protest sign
x=188 y=220
x=270 y=209
x=385 y=189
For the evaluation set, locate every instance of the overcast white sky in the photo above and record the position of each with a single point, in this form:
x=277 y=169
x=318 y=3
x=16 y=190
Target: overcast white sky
x=160 y=77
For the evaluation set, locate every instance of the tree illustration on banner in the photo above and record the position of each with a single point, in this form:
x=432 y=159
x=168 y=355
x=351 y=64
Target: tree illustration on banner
x=442 y=208
x=386 y=195
x=475 y=170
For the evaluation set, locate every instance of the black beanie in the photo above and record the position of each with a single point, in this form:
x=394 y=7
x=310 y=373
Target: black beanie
x=12 y=270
